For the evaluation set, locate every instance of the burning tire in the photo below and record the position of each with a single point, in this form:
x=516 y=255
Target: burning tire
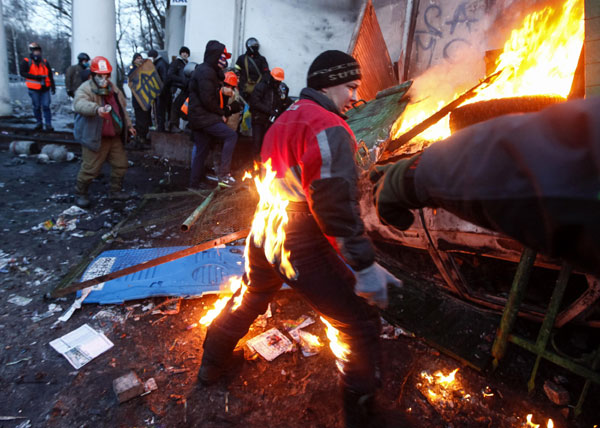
x=471 y=114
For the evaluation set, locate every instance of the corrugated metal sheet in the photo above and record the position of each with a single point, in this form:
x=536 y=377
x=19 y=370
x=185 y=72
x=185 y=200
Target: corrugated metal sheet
x=369 y=49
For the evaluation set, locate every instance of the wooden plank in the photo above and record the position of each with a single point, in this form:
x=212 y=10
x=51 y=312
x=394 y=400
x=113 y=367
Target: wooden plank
x=592 y=9
x=151 y=263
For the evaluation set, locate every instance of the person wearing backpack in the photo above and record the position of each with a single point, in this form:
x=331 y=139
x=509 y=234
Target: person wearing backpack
x=253 y=66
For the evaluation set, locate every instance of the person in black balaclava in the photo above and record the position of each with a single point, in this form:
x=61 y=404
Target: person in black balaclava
x=39 y=80
x=264 y=106
x=252 y=67
x=74 y=75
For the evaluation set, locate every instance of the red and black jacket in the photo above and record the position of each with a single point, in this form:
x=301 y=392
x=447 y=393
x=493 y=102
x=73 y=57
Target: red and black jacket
x=312 y=152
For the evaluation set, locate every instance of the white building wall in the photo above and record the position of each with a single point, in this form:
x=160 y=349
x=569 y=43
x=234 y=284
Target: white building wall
x=5 y=106
x=206 y=21
x=291 y=33
x=94 y=30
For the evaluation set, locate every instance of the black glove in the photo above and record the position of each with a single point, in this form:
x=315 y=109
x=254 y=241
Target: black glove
x=71 y=94
x=394 y=192
x=227 y=111
x=53 y=90
x=235 y=107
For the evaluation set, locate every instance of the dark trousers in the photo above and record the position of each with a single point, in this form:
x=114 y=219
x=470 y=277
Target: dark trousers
x=259 y=130
x=143 y=119
x=176 y=107
x=41 y=102
x=163 y=105
x=325 y=281
x=202 y=141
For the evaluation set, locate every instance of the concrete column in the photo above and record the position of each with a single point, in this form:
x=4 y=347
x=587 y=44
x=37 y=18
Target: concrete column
x=94 y=30
x=592 y=48
x=175 y=31
x=5 y=106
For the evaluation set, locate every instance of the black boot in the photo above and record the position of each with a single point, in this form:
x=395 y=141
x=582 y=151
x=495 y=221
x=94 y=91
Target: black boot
x=218 y=356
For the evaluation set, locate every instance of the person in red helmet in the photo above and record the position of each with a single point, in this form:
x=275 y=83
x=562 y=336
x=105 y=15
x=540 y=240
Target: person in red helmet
x=101 y=126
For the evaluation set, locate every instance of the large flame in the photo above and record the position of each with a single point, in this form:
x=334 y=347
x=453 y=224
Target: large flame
x=228 y=290
x=270 y=218
x=539 y=58
x=340 y=349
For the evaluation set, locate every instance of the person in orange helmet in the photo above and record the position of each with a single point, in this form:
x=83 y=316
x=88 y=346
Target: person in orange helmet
x=264 y=105
x=101 y=126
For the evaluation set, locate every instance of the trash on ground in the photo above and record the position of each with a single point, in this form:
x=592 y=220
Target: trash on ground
x=270 y=344
x=52 y=309
x=309 y=343
x=82 y=345
x=12 y=363
x=19 y=300
x=149 y=386
x=128 y=386
x=389 y=331
x=74 y=210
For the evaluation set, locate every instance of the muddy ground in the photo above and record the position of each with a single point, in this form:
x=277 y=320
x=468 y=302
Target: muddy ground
x=39 y=388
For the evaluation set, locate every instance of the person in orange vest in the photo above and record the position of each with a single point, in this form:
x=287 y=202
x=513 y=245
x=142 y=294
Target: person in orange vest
x=38 y=78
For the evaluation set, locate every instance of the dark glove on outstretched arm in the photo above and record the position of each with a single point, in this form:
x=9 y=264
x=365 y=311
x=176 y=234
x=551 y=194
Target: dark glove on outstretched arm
x=394 y=192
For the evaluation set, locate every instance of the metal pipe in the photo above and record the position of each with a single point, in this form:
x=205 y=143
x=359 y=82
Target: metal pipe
x=189 y=222
x=5 y=105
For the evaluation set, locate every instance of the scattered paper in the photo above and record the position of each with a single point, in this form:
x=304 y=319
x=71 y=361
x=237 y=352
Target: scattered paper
x=74 y=210
x=270 y=344
x=309 y=343
x=82 y=345
x=100 y=267
x=19 y=300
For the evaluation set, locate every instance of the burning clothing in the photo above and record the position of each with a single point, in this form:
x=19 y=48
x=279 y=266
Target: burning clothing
x=312 y=151
x=325 y=281
x=533 y=177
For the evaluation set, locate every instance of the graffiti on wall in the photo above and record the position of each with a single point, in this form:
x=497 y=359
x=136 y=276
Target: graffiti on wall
x=444 y=28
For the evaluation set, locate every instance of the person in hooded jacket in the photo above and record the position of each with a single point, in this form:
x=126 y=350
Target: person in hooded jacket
x=253 y=66
x=178 y=84
x=208 y=111
x=264 y=104
x=163 y=102
x=39 y=80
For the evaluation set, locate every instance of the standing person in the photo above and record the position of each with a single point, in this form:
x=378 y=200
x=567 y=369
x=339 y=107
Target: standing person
x=74 y=76
x=208 y=112
x=179 y=86
x=252 y=67
x=101 y=127
x=40 y=82
x=263 y=105
x=311 y=149
x=164 y=99
x=143 y=118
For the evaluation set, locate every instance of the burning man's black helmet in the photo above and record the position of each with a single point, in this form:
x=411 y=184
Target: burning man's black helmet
x=252 y=45
x=83 y=57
